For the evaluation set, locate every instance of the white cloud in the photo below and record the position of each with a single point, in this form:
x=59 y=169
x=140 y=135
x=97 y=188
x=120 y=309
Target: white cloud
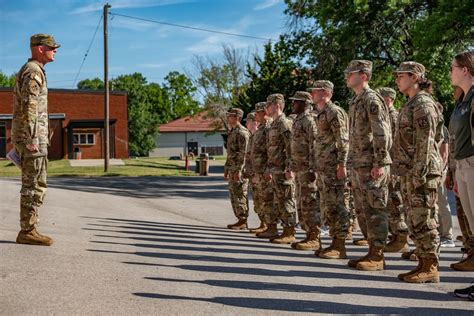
x=266 y=4
x=127 y=4
x=151 y=65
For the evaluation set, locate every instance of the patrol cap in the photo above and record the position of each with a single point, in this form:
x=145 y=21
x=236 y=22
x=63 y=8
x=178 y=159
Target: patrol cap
x=359 y=65
x=236 y=111
x=387 y=92
x=302 y=96
x=322 y=85
x=275 y=98
x=251 y=116
x=411 y=67
x=43 y=39
x=260 y=106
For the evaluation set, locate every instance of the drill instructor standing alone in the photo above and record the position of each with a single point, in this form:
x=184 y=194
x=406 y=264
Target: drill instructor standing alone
x=30 y=135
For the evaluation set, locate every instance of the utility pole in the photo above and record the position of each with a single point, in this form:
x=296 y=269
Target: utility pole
x=106 y=90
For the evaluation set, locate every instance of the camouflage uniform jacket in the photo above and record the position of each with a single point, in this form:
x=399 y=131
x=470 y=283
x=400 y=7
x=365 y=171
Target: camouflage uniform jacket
x=393 y=114
x=302 y=142
x=237 y=143
x=30 y=106
x=248 y=166
x=332 y=140
x=417 y=152
x=370 y=131
x=258 y=151
x=279 y=145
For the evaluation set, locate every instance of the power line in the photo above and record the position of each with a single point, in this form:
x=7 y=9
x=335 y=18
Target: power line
x=87 y=52
x=190 y=27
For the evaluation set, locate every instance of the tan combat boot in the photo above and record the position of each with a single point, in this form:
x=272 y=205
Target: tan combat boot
x=270 y=232
x=399 y=243
x=313 y=242
x=353 y=262
x=32 y=237
x=402 y=276
x=466 y=264
x=428 y=273
x=375 y=261
x=259 y=229
x=337 y=250
x=361 y=242
x=293 y=245
x=240 y=224
x=287 y=237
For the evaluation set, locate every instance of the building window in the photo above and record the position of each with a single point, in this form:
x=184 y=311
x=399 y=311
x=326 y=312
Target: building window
x=84 y=139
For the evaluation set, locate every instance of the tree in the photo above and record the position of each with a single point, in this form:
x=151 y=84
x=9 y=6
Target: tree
x=328 y=34
x=91 y=84
x=180 y=91
x=7 y=81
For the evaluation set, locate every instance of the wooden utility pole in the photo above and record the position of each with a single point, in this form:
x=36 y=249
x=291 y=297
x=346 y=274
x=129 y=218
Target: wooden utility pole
x=106 y=90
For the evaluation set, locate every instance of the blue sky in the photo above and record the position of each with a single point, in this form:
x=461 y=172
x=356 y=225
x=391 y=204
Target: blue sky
x=134 y=46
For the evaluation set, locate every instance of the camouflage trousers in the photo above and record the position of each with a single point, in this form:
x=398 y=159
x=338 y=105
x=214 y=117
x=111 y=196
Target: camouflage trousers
x=257 y=200
x=307 y=203
x=334 y=204
x=265 y=196
x=422 y=215
x=370 y=202
x=396 y=209
x=284 y=195
x=238 y=197
x=34 y=168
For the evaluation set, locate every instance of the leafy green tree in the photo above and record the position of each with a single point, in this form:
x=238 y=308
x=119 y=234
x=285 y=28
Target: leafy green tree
x=328 y=34
x=6 y=81
x=91 y=84
x=180 y=91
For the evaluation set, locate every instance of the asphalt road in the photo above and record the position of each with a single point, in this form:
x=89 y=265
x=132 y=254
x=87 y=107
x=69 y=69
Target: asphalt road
x=158 y=245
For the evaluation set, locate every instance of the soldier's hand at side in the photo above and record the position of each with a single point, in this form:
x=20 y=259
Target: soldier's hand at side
x=455 y=188
x=226 y=175
x=32 y=147
x=289 y=175
x=377 y=172
x=237 y=176
x=268 y=176
x=341 y=172
x=448 y=182
x=254 y=179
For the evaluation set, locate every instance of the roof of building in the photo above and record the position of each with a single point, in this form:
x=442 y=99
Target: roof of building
x=199 y=122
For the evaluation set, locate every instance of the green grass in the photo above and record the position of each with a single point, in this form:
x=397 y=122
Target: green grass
x=132 y=168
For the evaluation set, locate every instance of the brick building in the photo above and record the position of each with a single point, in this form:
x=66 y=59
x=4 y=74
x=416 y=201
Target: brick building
x=77 y=123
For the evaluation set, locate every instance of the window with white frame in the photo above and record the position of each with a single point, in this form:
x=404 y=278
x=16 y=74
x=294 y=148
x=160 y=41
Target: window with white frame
x=84 y=139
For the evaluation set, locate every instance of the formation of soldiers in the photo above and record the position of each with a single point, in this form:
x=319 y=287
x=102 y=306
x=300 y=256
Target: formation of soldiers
x=311 y=168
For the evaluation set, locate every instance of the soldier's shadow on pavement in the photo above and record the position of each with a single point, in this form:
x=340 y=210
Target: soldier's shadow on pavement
x=216 y=250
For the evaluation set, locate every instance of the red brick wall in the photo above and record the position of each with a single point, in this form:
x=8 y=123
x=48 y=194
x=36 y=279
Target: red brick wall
x=79 y=105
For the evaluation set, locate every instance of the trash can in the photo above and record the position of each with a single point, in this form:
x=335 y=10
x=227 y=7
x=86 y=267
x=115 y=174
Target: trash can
x=198 y=162
x=204 y=165
x=77 y=153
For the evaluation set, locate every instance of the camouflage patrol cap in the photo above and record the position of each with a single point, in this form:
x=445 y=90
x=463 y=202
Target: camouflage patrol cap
x=236 y=111
x=43 y=39
x=275 y=98
x=411 y=67
x=322 y=85
x=359 y=65
x=302 y=96
x=387 y=92
x=260 y=106
x=251 y=116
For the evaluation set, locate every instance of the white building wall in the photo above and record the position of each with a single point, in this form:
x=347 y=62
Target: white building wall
x=174 y=144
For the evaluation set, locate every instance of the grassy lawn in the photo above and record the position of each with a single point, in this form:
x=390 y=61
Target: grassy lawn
x=133 y=168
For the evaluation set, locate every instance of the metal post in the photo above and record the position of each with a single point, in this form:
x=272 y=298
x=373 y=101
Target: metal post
x=106 y=90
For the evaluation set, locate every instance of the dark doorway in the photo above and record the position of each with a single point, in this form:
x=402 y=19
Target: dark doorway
x=193 y=148
x=3 y=140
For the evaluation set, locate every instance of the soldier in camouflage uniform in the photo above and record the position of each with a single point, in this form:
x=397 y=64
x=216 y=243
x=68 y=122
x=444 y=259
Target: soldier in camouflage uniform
x=369 y=145
x=302 y=165
x=249 y=173
x=237 y=142
x=331 y=150
x=397 y=224
x=259 y=158
x=418 y=162
x=278 y=167
x=30 y=135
